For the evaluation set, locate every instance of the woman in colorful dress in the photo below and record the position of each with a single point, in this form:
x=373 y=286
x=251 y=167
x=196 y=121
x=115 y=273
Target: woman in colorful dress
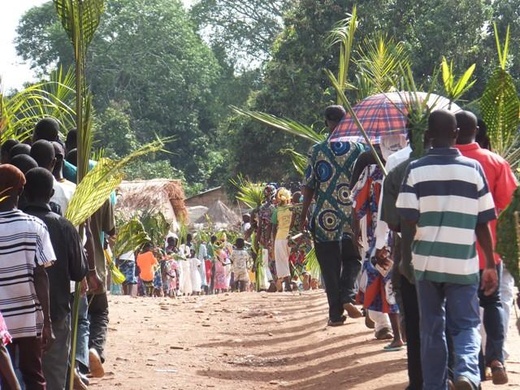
x=281 y=222
x=375 y=290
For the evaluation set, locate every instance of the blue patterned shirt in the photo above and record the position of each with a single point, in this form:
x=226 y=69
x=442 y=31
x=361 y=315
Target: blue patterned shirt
x=328 y=174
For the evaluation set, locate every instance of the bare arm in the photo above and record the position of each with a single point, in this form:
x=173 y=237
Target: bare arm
x=41 y=286
x=308 y=194
x=489 y=281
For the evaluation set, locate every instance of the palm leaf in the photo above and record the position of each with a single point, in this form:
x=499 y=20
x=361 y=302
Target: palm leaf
x=455 y=89
x=96 y=186
x=252 y=194
x=380 y=60
x=287 y=125
x=343 y=33
x=298 y=160
x=80 y=19
x=131 y=235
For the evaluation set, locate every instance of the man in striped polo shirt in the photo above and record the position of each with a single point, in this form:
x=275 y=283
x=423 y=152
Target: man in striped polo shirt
x=25 y=251
x=446 y=196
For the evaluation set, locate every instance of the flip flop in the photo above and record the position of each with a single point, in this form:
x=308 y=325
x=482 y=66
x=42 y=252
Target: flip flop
x=390 y=348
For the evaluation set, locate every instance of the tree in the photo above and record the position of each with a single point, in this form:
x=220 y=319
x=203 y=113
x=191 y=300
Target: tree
x=148 y=54
x=246 y=29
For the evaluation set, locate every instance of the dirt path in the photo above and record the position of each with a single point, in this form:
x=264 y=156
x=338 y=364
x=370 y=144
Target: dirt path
x=250 y=341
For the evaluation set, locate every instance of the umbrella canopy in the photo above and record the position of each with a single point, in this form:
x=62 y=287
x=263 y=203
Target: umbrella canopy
x=386 y=113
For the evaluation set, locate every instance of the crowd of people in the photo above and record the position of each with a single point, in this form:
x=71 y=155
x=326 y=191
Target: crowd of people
x=409 y=248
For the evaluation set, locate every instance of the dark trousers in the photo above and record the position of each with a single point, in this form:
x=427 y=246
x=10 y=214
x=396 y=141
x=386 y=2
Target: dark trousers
x=55 y=361
x=340 y=264
x=413 y=336
x=98 y=316
x=29 y=352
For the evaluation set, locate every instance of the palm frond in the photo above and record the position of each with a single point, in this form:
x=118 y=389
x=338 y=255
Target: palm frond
x=287 y=125
x=80 y=19
x=298 y=160
x=343 y=33
x=97 y=184
x=380 y=61
x=252 y=194
x=455 y=89
x=131 y=235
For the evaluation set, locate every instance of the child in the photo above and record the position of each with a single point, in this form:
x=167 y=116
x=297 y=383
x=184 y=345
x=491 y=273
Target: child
x=239 y=261
x=196 y=281
x=6 y=368
x=146 y=262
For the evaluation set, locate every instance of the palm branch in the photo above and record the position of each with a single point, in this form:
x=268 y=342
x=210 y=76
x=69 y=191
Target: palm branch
x=500 y=107
x=288 y=125
x=131 y=235
x=455 y=89
x=252 y=194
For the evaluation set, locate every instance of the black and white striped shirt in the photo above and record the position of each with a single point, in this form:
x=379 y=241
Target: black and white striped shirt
x=24 y=244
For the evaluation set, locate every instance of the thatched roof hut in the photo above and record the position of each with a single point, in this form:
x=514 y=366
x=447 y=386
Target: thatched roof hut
x=164 y=195
x=220 y=215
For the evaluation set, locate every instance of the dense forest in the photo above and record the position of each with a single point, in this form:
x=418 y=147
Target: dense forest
x=157 y=68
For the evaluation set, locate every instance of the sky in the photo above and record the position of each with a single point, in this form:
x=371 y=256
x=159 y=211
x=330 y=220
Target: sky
x=13 y=71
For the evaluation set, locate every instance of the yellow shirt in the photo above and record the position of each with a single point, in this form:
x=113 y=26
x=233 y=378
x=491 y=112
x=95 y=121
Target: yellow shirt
x=282 y=217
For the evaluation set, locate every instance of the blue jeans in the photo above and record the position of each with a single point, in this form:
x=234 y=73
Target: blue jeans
x=493 y=322
x=83 y=335
x=453 y=308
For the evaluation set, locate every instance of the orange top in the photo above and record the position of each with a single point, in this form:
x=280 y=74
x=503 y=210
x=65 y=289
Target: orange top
x=145 y=262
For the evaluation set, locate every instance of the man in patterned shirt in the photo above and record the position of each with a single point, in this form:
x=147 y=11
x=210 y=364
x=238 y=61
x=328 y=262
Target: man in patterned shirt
x=25 y=251
x=327 y=180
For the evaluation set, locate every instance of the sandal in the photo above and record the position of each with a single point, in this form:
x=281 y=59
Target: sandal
x=498 y=373
x=392 y=348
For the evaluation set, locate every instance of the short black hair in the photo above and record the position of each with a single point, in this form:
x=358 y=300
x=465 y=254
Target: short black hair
x=6 y=148
x=441 y=124
x=47 y=129
x=24 y=162
x=19 y=149
x=39 y=184
x=72 y=157
x=467 y=123
x=239 y=243
x=334 y=113
x=43 y=152
x=71 y=142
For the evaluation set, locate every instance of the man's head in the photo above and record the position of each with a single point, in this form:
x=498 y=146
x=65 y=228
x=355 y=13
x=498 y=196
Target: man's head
x=239 y=243
x=19 y=149
x=5 y=149
x=39 y=185
x=72 y=157
x=442 y=128
x=24 y=162
x=12 y=181
x=47 y=129
x=246 y=218
x=59 y=153
x=333 y=115
x=71 y=142
x=43 y=152
x=468 y=127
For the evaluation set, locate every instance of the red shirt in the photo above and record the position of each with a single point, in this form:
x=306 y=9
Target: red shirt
x=501 y=181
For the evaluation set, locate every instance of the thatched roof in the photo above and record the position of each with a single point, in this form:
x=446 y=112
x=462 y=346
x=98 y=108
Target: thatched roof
x=166 y=196
x=219 y=214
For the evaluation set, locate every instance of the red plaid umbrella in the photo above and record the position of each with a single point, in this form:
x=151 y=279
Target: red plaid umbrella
x=385 y=113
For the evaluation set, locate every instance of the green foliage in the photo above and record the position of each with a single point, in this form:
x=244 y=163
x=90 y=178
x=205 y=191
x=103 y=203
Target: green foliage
x=21 y=110
x=246 y=29
x=508 y=237
x=500 y=107
x=131 y=235
x=455 y=89
x=252 y=194
x=155 y=225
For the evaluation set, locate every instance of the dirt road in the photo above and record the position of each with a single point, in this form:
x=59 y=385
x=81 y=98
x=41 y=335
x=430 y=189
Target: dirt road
x=251 y=341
